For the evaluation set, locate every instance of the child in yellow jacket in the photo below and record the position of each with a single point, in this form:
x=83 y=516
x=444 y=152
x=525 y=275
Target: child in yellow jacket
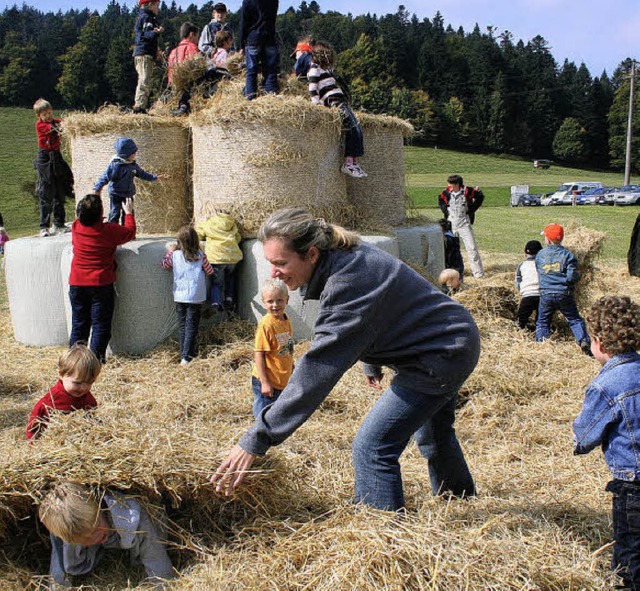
x=222 y=247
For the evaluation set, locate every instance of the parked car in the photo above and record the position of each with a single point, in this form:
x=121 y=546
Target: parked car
x=626 y=195
x=590 y=196
x=566 y=192
x=530 y=200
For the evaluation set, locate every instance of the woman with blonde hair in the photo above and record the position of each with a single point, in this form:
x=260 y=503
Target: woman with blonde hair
x=375 y=309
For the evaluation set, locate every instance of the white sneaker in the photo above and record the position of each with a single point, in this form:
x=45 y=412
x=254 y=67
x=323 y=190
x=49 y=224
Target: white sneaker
x=44 y=233
x=185 y=362
x=361 y=173
x=61 y=230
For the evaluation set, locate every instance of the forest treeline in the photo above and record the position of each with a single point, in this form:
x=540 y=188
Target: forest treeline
x=465 y=90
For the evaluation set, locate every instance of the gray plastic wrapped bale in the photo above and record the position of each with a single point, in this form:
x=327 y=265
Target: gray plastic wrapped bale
x=255 y=269
x=422 y=246
x=36 y=290
x=144 y=314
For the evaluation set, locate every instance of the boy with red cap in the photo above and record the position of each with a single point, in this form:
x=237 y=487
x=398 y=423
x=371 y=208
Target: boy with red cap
x=557 y=276
x=302 y=53
x=146 y=51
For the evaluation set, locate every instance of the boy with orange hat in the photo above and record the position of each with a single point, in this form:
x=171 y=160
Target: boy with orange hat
x=302 y=53
x=557 y=276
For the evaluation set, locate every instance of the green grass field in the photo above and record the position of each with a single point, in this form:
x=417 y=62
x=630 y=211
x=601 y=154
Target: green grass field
x=499 y=228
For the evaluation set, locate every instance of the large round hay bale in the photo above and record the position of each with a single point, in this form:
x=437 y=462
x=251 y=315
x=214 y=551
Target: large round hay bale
x=253 y=157
x=144 y=314
x=35 y=289
x=163 y=147
x=255 y=269
x=382 y=193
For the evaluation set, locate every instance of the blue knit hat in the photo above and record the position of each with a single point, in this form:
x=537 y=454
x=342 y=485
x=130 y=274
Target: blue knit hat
x=125 y=147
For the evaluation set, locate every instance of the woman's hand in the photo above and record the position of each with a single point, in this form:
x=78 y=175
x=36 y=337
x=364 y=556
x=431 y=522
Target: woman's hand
x=127 y=205
x=232 y=471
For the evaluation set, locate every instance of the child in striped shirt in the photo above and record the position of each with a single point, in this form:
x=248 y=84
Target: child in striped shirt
x=325 y=90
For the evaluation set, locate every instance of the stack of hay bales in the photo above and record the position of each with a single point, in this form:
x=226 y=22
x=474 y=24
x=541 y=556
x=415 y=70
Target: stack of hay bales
x=163 y=148
x=587 y=245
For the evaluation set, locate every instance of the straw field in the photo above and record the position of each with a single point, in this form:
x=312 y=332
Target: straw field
x=541 y=519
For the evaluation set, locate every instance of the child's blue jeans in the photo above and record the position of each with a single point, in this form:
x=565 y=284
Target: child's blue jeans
x=260 y=402
x=223 y=286
x=116 y=213
x=353 y=140
x=265 y=58
x=626 y=531
x=188 y=323
x=91 y=313
x=549 y=303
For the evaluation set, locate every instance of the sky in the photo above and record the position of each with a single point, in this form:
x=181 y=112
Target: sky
x=600 y=33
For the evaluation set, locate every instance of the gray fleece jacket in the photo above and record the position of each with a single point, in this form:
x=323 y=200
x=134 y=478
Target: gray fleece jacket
x=132 y=530
x=376 y=309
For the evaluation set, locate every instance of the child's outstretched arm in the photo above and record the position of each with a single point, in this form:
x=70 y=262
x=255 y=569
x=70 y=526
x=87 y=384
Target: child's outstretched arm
x=101 y=182
x=594 y=420
x=261 y=365
x=144 y=175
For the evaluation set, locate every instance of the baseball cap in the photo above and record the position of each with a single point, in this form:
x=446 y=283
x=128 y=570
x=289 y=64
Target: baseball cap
x=533 y=247
x=220 y=7
x=553 y=232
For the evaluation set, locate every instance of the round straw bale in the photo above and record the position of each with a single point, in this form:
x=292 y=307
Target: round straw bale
x=144 y=314
x=36 y=289
x=163 y=147
x=586 y=244
x=422 y=246
x=382 y=193
x=257 y=166
x=255 y=269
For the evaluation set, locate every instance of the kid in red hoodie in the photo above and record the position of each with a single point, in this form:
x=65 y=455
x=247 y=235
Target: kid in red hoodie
x=93 y=271
x=78 y=369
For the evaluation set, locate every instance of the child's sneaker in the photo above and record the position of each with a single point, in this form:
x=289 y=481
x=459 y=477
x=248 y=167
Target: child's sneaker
x=184 y=362
x=44 y=233
x=353 y=170
x=361 y=173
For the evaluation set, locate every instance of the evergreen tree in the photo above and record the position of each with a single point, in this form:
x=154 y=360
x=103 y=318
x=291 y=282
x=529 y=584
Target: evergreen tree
x=570 y=142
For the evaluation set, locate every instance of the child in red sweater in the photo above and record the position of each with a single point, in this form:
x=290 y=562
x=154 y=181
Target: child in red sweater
x=55 y=179
x=78 y=369
x=93 y=271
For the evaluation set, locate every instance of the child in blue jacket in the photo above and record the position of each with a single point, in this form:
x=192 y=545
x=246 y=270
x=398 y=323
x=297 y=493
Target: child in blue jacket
x=557 y=276
x=120 y=175
x=610 y=418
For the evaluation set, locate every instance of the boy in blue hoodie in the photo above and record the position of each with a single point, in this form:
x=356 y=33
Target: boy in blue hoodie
x=610 y=418
x=146 y=51
x=120 y=175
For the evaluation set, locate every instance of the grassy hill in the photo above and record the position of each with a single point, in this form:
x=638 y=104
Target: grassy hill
x=499 y=228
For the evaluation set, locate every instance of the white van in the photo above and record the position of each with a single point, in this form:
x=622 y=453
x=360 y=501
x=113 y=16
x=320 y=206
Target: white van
x=566 y=191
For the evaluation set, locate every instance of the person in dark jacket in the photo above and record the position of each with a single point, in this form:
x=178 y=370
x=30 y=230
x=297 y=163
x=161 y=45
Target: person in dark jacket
x=120 y=174
x=146 y=51
x=633 y=255
x=557 y=276
x=430 y=341
x=258 y=41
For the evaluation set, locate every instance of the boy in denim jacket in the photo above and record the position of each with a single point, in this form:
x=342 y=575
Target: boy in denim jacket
x=557 y=275
x=610 y=417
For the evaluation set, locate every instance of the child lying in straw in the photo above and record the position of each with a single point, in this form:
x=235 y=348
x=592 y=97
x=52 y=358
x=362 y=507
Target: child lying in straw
x=82 y=526
x=78 y=369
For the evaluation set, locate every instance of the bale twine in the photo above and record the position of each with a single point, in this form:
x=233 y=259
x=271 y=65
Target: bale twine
x=382 y=192
x=36 y=289
x=144 y=313
x=163 y=147
x=274 y=152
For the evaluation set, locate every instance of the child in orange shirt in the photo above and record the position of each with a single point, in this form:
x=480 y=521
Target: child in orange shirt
x=273 y=352
x=78 y=369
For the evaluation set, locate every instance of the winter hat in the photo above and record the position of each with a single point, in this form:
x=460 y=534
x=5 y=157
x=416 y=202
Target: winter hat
x=554 y=232
x=125 y=147
x=533 y=247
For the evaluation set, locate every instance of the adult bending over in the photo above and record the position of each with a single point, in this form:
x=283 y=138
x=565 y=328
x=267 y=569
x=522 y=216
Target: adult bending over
x=376 y=309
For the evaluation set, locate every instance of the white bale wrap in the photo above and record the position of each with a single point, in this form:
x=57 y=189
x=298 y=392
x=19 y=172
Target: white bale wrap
x=382 y=193
x=161 y=206
x=35 y=290
x=255 y=269
x=144 y=313
x=422 y=246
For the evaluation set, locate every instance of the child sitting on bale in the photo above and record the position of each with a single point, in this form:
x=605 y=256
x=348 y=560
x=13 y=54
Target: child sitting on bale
x=325 y=90
x=273 y=352
x=557 y=275
x=189 y=266
x=82 y=525
x=121 y=174
x=78 y=369
x=610 y=418
x=526 y=282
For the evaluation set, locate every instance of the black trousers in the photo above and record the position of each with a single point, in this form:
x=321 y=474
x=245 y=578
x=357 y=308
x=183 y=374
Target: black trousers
x=527 y=307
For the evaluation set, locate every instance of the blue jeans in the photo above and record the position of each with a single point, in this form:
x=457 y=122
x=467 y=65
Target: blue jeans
x=188 y=323
x=116 y=213
x=384 y=435
x=261 y=402
x=626 y=531
x=267 y=59
x=353 y=141
x=92 y=312
x=223 y=286
x=549 y=303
